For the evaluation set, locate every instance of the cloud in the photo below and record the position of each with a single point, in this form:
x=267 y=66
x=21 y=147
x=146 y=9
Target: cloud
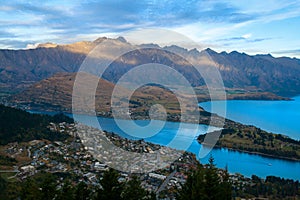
x=247 y=36
x=112 y=16
x=14 y=43
x=287 y=52
x=32 y=46
x=6 y=8
x=194 y=11
x=244 y=38
x=213 y=21
x=6 y=34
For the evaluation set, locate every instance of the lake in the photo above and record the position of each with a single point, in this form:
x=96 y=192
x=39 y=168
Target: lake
x=274 y=116
x=246 y=164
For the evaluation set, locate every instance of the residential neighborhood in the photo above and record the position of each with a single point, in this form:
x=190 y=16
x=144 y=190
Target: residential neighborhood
x=80 y=157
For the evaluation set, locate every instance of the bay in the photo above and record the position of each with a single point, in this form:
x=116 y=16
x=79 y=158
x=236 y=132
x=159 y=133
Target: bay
x=274 y=116
x=237 y=162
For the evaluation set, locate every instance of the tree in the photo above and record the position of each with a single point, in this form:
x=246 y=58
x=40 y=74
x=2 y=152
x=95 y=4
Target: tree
x=30 y=190
x=226 y=188
x=82 y=191
x=110 y=186
x=3 y=186
x=206 y=184
x=133 y=190
x=66 y=192
x=48 y=187
x=193 y=189
x=212 y=181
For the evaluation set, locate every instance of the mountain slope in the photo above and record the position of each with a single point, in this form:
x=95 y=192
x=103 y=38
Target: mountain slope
x=21 y=68
x=55 y=94
x=277 y=75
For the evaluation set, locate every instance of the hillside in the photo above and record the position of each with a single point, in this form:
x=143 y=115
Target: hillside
x=250 y=139
x=18 y=125
x=277 y=75
x=55 y=94
x=20 y=69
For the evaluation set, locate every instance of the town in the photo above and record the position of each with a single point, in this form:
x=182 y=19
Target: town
x=71 y=157
x=79 y=157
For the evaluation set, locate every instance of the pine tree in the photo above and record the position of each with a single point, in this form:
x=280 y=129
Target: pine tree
x=66 y=192
x=110 y=186
x=193 y=189
x=82 y=191
x=48 y=187
x=226 y=189
x=3 y=186
x=205 y=184
x=30 y=190
x=212 y=181
x=133 y=190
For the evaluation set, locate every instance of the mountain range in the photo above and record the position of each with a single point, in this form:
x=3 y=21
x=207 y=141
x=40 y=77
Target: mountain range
x=20 y=69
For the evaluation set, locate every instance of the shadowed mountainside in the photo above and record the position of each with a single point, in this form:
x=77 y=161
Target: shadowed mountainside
x=21 y=68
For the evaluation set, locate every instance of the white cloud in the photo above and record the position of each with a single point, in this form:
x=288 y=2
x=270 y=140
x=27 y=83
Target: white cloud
x=247 y=36
x=32 y=46
x=206 y=22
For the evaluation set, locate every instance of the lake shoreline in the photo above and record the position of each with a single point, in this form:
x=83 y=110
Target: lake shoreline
x=162 y=138
x=281 y=117
x=228 y=124
x=254 y=153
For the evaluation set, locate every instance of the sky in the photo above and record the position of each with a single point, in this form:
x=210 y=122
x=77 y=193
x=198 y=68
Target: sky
x=250 y=26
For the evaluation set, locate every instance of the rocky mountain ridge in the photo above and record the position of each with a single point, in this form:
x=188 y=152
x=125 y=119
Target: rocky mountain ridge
x=21 y=68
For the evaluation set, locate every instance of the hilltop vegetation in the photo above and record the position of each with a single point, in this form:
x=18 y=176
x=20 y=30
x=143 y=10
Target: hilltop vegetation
x=206 y=184
x=45 y=186
x=17 y=126
x=203 y=182
x=271 y=188
x=254 y=140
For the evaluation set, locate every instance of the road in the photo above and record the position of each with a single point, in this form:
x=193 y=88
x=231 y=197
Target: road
x=9 y=171
x=164 y=184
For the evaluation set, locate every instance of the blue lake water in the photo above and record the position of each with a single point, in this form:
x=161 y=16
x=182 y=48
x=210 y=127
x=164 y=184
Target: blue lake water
x=246 y=164
x=237 y=162
x=274 y=116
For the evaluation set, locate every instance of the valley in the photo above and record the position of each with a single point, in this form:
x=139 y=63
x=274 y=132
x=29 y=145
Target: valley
x=149 y=100
x=52 y=91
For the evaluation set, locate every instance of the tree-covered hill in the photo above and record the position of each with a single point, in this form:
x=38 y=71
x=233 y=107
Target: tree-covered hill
x=17 y=125
x=247 y=138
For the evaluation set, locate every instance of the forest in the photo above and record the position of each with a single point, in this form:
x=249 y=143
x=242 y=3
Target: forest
x=20 y=126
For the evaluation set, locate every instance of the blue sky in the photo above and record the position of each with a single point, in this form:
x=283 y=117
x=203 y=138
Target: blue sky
x=254 y=26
